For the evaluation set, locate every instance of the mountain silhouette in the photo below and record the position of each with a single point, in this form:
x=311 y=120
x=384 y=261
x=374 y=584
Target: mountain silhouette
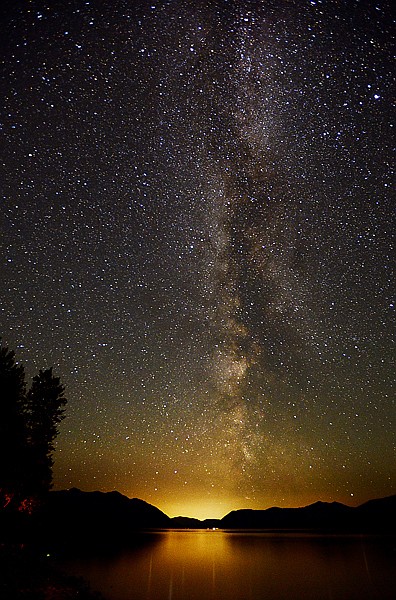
x=191 y=523
x=110 y=514
x=373 y=516
x=317 y=515
x=73 y=515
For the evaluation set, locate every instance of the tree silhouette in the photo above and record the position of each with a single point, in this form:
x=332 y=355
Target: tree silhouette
x=44 y=411
x=28 y=427
x=13 y=451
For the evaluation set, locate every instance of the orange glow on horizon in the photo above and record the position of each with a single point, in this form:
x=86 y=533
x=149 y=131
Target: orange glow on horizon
x=210 y=509
x=217 y=508
x=195 y=506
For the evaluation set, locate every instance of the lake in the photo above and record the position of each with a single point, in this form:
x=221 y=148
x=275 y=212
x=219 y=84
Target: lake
x=220 y=565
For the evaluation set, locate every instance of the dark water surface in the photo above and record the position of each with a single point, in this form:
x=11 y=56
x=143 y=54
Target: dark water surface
x=219 y=565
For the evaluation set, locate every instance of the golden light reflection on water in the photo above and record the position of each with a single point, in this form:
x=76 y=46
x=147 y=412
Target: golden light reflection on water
x=206 y=565
x=191 y=561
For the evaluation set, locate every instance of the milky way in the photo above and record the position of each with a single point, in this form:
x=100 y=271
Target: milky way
x=196 y=234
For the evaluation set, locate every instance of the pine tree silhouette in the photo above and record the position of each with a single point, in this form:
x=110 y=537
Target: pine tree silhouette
x=28 y=427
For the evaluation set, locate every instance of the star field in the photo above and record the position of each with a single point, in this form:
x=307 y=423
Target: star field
x=197 y=234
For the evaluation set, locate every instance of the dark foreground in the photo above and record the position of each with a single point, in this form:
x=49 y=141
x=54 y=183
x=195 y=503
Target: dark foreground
x=216 y=565
x=127 y=549
x=26 y=573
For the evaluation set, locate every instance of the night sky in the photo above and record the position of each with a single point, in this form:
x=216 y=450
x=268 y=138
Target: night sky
x=196 y=233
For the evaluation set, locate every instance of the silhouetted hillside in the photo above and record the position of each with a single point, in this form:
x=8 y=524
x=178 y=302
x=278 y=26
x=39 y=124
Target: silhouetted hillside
x=378 y=514
x=320 y=514
x=112 y=515
x=98 y=515
x=190 y=523
x=93 y=517
x=375 y=515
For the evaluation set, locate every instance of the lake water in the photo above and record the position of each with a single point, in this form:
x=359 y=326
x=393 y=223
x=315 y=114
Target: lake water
x=218 y=565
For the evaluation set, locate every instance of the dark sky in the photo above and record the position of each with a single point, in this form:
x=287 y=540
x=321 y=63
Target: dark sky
x=196 y=233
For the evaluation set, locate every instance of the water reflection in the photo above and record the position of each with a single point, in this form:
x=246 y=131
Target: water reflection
x=202 y=565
